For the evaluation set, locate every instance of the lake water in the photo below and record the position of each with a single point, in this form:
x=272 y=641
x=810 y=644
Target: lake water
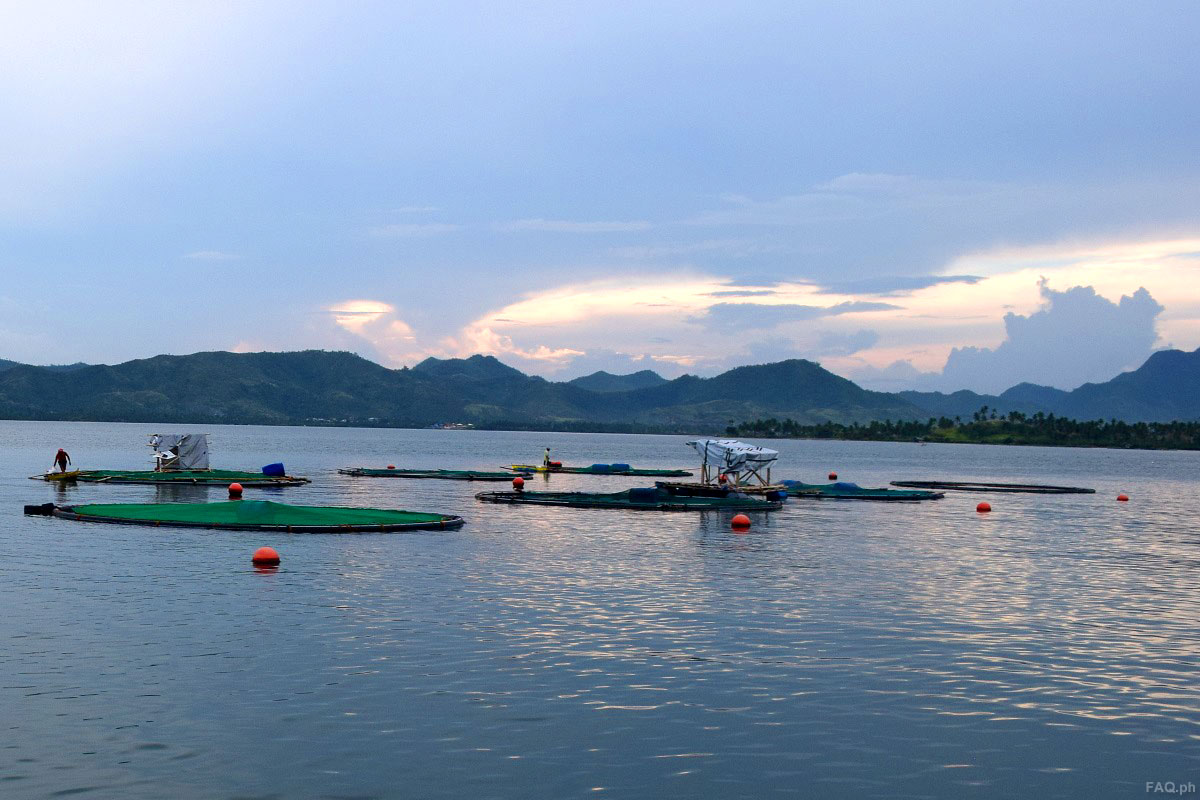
x=837 y=649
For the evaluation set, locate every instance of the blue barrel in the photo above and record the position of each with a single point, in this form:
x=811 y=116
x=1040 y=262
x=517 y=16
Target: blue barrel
x=621 y=467
x=274 y=470
x=600 y=468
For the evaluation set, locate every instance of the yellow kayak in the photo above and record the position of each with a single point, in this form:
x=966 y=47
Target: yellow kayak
x=62 y=476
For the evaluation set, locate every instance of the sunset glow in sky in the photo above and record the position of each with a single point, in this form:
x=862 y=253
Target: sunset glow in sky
x=919 y=195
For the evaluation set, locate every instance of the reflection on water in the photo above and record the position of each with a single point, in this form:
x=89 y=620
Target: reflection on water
x=837 y=648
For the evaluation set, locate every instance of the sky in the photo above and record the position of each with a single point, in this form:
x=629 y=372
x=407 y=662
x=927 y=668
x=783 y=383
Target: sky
x=916 y=195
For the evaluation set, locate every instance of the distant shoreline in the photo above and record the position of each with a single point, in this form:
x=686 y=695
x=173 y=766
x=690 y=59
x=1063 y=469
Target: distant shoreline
x=983 y=432
x=1038 y=430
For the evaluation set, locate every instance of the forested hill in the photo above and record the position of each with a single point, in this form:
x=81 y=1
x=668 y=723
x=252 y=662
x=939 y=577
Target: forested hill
x=1163 y=389
x=607 y=382
x=320 y=387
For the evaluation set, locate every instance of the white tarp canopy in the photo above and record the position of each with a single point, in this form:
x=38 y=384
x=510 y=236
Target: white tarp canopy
x=184 y=451
x=733 y=457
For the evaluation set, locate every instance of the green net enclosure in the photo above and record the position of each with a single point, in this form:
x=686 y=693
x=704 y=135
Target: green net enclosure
x=260 y=515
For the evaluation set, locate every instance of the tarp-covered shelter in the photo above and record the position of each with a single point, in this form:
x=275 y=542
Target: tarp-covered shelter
x=738 y=460
x=180 y=451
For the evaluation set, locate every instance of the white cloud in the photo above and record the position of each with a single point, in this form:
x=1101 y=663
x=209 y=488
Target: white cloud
x=651 y=321
x=411 y=230
x=569 y=226
x=1075 y=338
x=376 y=322
x=731 y=317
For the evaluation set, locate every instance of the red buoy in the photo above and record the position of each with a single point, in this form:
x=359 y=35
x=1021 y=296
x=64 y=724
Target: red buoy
x=721 y=478
x=833 y=476
x=983 y=508
x=391 y=466
x=265 y=557
x=235 y=491
x=1124 y=498
x=740 y=521
x=518 y=483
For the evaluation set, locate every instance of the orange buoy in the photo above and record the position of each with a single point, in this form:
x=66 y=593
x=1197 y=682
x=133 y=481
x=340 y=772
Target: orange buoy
x=740 y=521
x=391 y=466
x=265 y=557
x=983 y=508
x=833 y=476
x=235 y=491
x=1124 y=498
x=518 y=483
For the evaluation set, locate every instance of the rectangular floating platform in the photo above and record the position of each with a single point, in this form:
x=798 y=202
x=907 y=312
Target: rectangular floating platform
x=602 y=469
x=205 y=477
x=969 y=486
x=769 y=491
x=253 y=515
x=852 y=491
x=443 y=474
x=636 y=499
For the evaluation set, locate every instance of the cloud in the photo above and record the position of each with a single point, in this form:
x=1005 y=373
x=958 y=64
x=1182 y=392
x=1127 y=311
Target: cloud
x=568 y=226
x=894 y=285
x=752 y=316
x=488 y=342
x=743 y=293
x=376 y=322
x=621 y=363
x=726 y=248
x=844 y=226
x=852 y=197
x=677 y=321
x=212 y=255
x=411 y=230
x=843 y=344
x=895 y=377
x=1077 y=337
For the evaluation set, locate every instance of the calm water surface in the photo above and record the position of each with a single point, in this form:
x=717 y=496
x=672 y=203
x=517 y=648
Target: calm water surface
x=1048 y=649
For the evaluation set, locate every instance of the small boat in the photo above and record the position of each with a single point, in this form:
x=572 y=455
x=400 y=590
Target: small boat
x=969 y=486
x=181 y=459
x=652 y=499
x=600 y=469
x=852 y=491
x=252 y=515
x=444 y=474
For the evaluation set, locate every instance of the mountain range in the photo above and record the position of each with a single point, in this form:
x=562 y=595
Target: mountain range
x=322 y=387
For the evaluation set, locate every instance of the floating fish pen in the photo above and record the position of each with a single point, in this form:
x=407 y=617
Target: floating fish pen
x=203 y=477
x=600 y=469
x=181 y=459
x=252 y=515
x=852 y=491
x=969 y=486
x=636 y=499
x=443 y=474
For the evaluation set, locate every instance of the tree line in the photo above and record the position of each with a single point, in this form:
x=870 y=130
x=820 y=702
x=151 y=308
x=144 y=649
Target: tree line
x=987 y=426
